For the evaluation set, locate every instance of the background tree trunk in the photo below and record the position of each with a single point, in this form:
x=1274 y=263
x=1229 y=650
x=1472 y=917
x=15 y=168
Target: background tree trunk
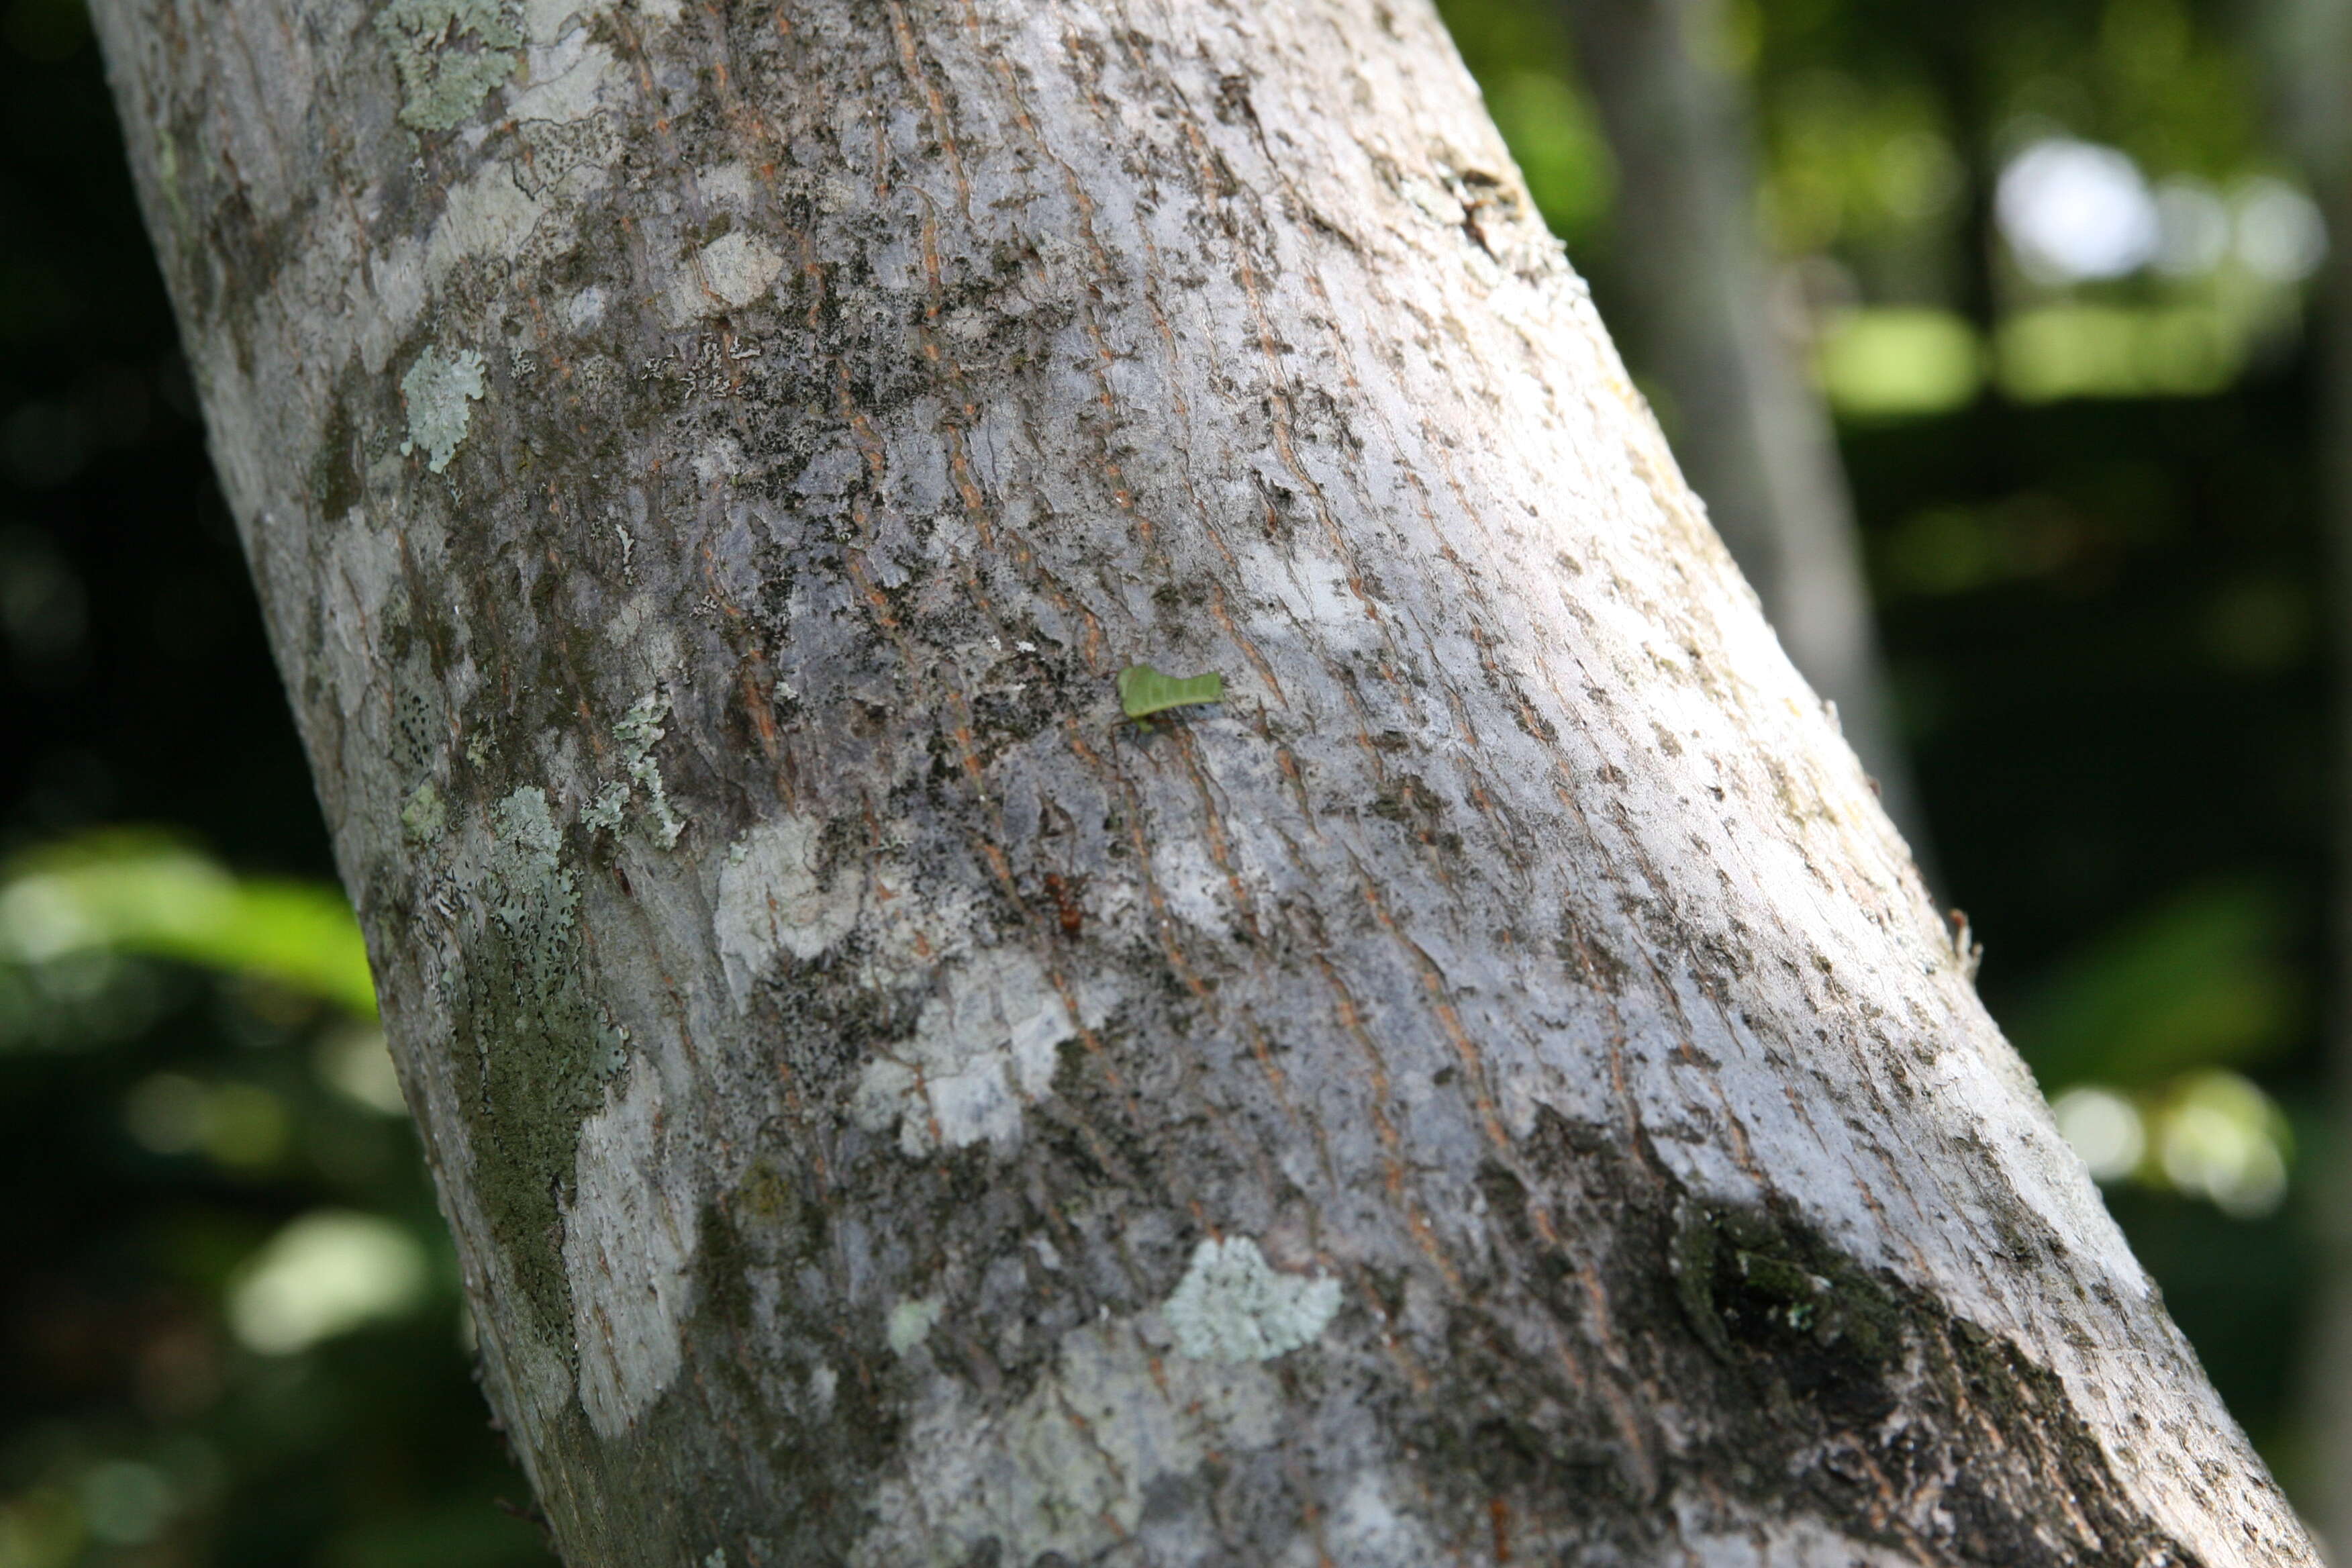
x=1690 y=289
x=2308 y=45
x=1493 y=1090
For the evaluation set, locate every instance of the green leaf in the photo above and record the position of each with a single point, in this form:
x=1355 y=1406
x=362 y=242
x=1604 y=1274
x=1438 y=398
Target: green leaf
x=1143 y=691
x=133 y=891
x=2200 y=981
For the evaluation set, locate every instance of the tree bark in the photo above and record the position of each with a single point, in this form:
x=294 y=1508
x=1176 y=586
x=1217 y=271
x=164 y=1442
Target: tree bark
x=1491 y=1090
x=1691 y=290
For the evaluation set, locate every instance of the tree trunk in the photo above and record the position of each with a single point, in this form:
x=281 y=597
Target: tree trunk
x=1692 y=292
x=1491 y=1090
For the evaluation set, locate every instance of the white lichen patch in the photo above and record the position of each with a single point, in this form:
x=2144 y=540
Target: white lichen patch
x=585 y=308
x=910 y=937
x=634 y=737
x=629 y=1241
x=528 y=875
x=726 y=184
x=1365 y=1530
x=772 y=901
x=440 y=393
x=979 y=1054
x=740 y=268
x=549 y=21
x=1193 y=889
x=911 y=1322
x=486 y=215
x=1068 y=1468
x=728 y=274
x=1234 y=1306
x=719 y=461
x=450 y=54
x=567 y=81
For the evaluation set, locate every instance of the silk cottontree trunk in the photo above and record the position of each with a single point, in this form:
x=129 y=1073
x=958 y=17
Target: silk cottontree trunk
x=1492 y=1090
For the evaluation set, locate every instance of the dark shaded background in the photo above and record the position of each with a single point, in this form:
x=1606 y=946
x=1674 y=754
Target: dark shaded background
x=2103 y=616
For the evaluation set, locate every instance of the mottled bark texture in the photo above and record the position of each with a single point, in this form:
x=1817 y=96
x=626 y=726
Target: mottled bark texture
x=1492 y=1090
x=1691 y=293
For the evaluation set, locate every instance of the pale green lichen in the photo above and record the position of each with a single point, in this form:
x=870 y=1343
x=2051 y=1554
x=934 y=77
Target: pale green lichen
x=535 y=1047
x=1068 y=1468
x=440 y=393
x=167 y=177
x=1233 y=1306
x=911 y=1322
x=606 y=813
x=450 y=54
x=426 y=814
x=637 y=732
x=531 y=888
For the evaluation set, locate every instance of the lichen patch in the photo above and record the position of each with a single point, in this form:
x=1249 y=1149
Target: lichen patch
x=567 y=81
x=487 y=214
x=911 y=1322
x=450 y=55
x=1195 y=890
x=728 y=274
x=629 y=1241
x=547 y=21
x=425 y=816
x=531 y=888
x=1233 y=1306
x=1366 y=1530
x=636 y=735
x=727 y=185
x=440 y=393
x=773 y=901
x=979 y=1055
x=1068 y=1468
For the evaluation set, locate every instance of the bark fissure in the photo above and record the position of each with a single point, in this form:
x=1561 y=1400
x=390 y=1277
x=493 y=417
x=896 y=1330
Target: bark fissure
x=839 y=1035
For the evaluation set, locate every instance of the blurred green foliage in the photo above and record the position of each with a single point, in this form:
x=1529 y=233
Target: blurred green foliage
x=127 y=891
x=2202 y=979
x=234 y=1331
x=1519 y=52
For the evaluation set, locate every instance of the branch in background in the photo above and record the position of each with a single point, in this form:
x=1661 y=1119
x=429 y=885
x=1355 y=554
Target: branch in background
x=2309 y=44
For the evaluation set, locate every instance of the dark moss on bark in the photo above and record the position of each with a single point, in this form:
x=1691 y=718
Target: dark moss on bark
x=1808 y=1384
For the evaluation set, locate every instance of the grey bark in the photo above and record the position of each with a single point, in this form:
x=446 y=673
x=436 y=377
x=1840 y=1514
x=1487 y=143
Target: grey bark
x=1492 y=1090
x=1691 y=295
x=2309 y=47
